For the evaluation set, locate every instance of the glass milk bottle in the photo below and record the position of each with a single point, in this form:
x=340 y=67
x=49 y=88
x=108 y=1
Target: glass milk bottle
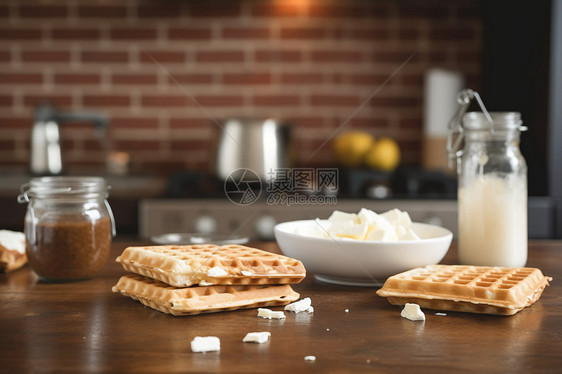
x=492 y=191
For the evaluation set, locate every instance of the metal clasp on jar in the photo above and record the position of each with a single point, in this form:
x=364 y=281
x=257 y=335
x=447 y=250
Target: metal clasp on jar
x=455 y=129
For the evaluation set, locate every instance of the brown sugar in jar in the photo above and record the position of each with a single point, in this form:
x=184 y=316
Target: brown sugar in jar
x=68 y=227
x=70 y=249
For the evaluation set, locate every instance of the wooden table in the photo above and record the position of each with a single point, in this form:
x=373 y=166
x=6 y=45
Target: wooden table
x=83 y=327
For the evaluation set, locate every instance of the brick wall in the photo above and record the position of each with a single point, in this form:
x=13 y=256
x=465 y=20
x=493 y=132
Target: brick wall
x=313 y=62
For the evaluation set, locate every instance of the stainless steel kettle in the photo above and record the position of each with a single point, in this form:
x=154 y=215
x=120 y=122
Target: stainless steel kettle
x=262 y=146
x=46 y=158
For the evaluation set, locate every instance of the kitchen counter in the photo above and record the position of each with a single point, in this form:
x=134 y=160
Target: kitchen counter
x=83 y=327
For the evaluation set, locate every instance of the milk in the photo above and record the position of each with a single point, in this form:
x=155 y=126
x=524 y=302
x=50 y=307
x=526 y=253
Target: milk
x=493 y=221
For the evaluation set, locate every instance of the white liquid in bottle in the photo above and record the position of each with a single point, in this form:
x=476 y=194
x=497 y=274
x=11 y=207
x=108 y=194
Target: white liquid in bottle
x=493 y=221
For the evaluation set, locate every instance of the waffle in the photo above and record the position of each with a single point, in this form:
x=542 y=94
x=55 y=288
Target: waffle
x=12 y=250
x=187 y=265
x=11 y=260
x=475 y=289
x=197 y=300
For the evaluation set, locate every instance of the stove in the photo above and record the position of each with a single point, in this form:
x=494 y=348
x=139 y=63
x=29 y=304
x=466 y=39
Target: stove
x=199 y=203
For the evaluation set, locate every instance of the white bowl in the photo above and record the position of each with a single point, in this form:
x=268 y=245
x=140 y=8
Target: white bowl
x=356 y=262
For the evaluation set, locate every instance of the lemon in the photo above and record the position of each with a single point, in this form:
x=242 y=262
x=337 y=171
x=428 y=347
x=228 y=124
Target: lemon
x=384 y=154
x=351 y=147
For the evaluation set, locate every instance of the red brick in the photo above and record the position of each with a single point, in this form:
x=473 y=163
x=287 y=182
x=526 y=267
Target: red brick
x=276 y=100
x=370 y=34
x=133 y=33
x=20 y=78
x=75 y=34
x=165 y=101
x=246 y=33
x=102 y=11
x=368 y=79
x=410 y=123
x=5 y=56
x=306 y=121
x=220 y=100
x=45 y=56
x=395 y=102
x=452 y=34
x=189 y=33
x=278 y=56
x=337 y=56
x=178 y=123
x=349 y=10
x=77 y=78
x=395 y=57
x=194 y=78
x=180 y=145
x=246 y=78
x=93 y=146
x=303 y=33
x=133 y=79
x=56 y=100
x=220 y=56
x=7 y=145
x=276 y=9
x=409 y=34
x=334 y=100
x=302 y=78
x=467 y=55
x=415 y=80
x=106 y=100
x=134 y=122
x=214 y=8
x=166 y=10
x=6 y=100
x=104 y=56
x=43 y=11
x=162 y=57
x=421 y=11
x=437 y=57
x=137 y=145
x=4 y=12
x=20 y=33
x=365 y=124
x=16 y=122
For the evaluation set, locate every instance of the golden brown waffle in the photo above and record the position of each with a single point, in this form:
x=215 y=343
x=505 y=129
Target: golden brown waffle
x=208 y=264
x=476 y=289
x=197 y=300
x=11 y=259
x=12 y=250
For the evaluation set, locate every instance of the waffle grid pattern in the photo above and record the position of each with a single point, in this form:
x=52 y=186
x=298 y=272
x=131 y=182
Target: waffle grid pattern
x=477 y=289
x=183 y=266
x=197 y=300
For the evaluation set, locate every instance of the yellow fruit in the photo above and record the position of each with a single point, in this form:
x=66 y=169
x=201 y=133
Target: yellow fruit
x=351 y=147
x=383 y=155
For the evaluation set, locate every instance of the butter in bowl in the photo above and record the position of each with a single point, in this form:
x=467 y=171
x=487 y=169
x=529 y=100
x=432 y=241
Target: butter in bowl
x=362 y=249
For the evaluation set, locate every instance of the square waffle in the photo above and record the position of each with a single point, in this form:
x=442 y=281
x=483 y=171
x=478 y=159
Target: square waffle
x=208 y=264
x=476 y=289
x=197 y=300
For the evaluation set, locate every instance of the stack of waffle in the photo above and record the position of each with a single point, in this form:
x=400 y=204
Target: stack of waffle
x=475 y=289
x=194 y=279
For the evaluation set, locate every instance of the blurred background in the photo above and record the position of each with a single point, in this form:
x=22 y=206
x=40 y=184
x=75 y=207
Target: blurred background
x=165 y=73
x=310 y=62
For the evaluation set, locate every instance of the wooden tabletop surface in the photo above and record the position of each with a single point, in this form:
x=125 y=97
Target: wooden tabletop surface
x=83 y=327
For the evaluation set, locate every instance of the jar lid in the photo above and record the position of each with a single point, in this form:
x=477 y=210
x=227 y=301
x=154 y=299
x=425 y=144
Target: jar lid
x=501 y=121
x=86 y=187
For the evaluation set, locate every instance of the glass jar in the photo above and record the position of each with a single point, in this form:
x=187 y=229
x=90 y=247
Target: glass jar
x=68 y=226
x=492 y=191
